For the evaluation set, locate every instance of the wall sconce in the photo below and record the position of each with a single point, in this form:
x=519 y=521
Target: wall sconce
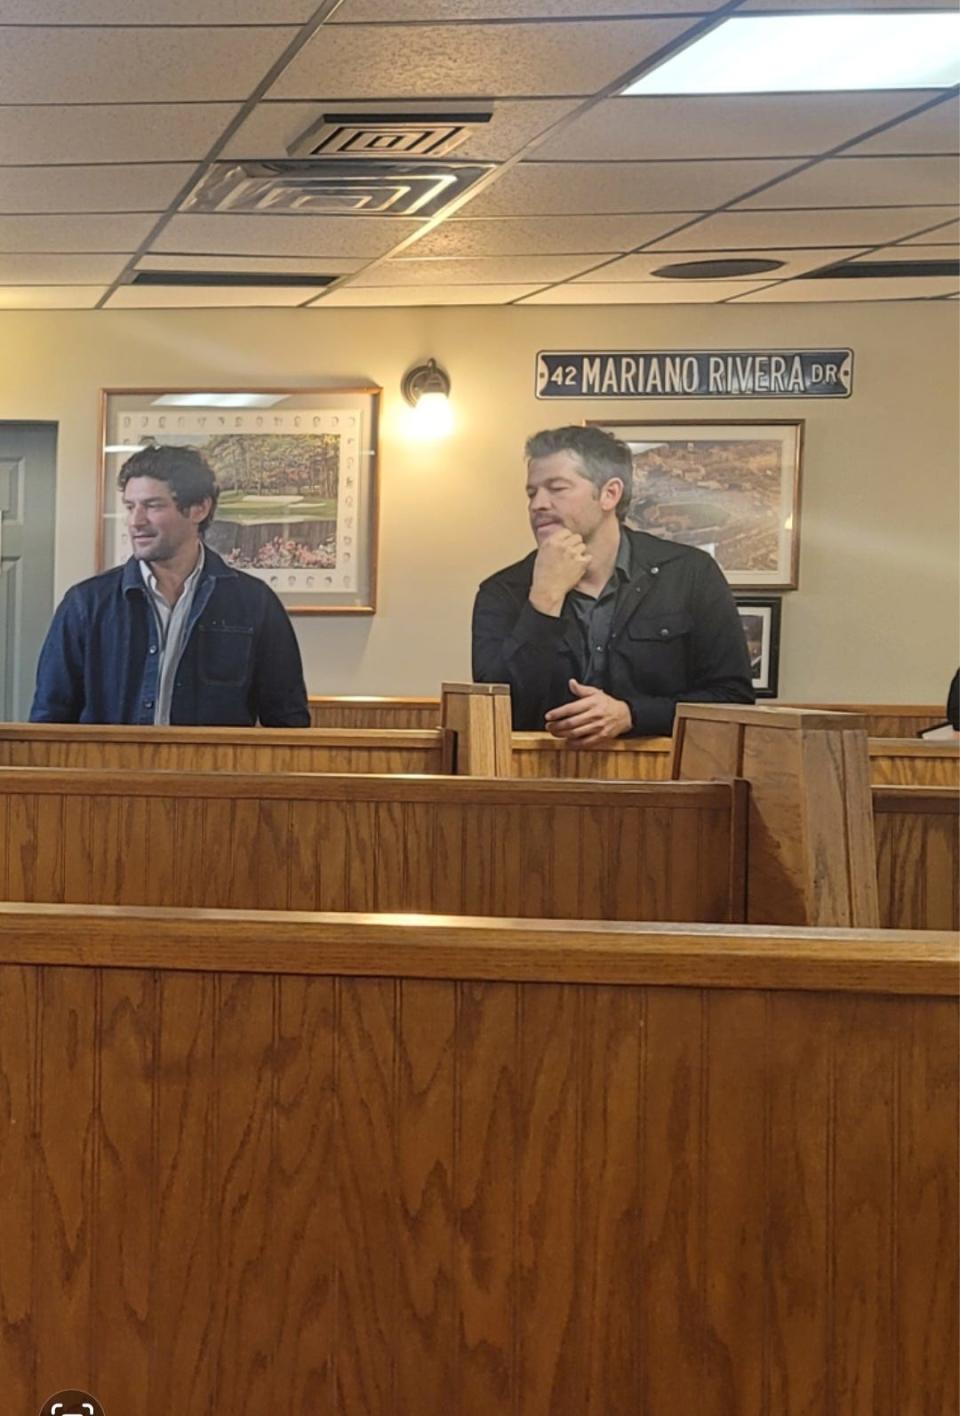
x=426 y=387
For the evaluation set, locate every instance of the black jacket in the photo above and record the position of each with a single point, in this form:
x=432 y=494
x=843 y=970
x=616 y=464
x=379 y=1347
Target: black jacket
x=676 y=637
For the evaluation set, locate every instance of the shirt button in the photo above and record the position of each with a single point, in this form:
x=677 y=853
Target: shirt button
x=153 y=648
x=148 y=703
x=654 y=570
x=664 y=634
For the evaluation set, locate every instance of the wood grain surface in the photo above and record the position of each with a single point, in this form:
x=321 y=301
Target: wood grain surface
x=918 y=856
x=223 y=749
x=896 y=720
x=671 y=851
x=333 y=1193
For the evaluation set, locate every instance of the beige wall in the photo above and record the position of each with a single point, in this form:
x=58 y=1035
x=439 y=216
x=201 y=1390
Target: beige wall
x=875 y=618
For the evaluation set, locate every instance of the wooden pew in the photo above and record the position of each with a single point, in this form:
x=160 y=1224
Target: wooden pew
x=918 y=856
x=461 y=845
x=912 y=763
x=374 y=712
x=314 y=1164
x=225 y=749
x=905 y=762
x=897 y=720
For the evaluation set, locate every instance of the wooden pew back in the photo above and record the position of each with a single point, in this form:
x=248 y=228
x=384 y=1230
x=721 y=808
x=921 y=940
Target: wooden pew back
x=461 y=845
x=918 y=856
x=272 y=1163
x=896 y=720
x=192 y=749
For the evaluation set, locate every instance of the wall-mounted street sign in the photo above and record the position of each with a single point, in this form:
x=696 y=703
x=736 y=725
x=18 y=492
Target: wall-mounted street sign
x=695 y=373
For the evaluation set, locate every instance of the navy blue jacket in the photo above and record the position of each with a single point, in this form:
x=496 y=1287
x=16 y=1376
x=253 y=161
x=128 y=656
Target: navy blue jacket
x=676 y=637
x=241 y=662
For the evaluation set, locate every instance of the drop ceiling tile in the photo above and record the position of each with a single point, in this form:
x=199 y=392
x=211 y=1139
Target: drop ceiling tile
x=643 y=267
x=853 y=226
x=484 y=270
x=608 y=188
x=104 y=188
x=948 y=231
x=273 y=126
x=73 y=233
x=935 y=130
x=72 y=65
x=60 y=270
x=654 y=292
x=314 y=236
x=194 y=297
x=391 y=295
x=525 y=59
x=866 y=181
x=723 y=125
x=111 y=132
x=50 y=297
x=145 y=12
x=447 y=11
x=514 y=236
x=794 y=292
x=244 y=265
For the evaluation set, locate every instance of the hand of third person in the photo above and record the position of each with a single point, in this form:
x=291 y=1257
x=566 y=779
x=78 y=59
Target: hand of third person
x=591 y=719
x=562 y=562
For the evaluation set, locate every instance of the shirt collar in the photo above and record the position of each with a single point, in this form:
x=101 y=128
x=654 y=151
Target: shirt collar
x=150 y=580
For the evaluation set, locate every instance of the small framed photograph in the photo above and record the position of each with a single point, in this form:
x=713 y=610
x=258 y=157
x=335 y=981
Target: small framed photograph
x=761 y=627
x=297 y=470
x=732 y=488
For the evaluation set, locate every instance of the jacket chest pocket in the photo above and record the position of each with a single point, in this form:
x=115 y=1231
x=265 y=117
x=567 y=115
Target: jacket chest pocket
x=658 y=646
x=225 y=654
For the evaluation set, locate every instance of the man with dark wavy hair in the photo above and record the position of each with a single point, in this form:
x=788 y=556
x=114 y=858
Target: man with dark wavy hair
x=602 y=630
x=175 y=635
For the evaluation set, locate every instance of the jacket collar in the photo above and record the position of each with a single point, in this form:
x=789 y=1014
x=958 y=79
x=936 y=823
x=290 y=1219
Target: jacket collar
x=214 y=568
x=647 y=554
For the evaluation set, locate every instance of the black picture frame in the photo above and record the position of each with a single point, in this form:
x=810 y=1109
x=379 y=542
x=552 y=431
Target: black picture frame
x=760 y=616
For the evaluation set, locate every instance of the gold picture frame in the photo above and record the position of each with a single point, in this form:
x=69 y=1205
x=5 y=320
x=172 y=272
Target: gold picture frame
x=298 y=472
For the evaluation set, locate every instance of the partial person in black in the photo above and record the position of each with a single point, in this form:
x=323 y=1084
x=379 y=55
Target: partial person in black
x=602 y=630
x=174 y=635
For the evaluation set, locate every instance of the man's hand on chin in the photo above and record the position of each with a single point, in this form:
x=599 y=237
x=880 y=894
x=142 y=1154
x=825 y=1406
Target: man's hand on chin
x=562 y=562
x=592 y=719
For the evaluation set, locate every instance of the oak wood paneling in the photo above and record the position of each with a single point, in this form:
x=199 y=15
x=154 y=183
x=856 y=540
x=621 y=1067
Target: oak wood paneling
x=896 y=720
x=668 y=851
x=309 y=1183
x=918 y=856
x=195 y=749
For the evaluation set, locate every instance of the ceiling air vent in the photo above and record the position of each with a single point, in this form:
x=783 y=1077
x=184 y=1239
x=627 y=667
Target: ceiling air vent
x=247 y=279
x=369 y=136
x=314 y=187
x=892 y=270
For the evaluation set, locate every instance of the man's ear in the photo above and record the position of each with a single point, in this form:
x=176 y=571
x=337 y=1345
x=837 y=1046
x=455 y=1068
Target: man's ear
x=611 y=493
x=200 y=510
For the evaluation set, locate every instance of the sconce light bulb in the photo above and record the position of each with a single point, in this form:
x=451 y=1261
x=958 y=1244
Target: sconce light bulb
x=432 y=415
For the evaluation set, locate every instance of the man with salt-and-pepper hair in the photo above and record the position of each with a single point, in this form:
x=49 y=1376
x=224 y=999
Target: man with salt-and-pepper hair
x=175 y=635
x=602 y=630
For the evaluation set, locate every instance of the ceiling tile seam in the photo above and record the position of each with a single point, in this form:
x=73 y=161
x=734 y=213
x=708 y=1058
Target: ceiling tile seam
x=705 y=23
x=725 y=157
x=517 y=21
x=304 y=35
x=765 y=186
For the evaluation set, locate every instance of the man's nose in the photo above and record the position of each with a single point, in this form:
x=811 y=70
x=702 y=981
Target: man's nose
x=540 y=500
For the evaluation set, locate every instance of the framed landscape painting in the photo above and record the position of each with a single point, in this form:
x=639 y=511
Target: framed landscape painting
x=732 y=488
x=761 y=626
x=297 y=470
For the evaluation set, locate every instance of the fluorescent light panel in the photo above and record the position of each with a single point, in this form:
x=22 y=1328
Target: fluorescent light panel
x=219 y=400
x=805 y=53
